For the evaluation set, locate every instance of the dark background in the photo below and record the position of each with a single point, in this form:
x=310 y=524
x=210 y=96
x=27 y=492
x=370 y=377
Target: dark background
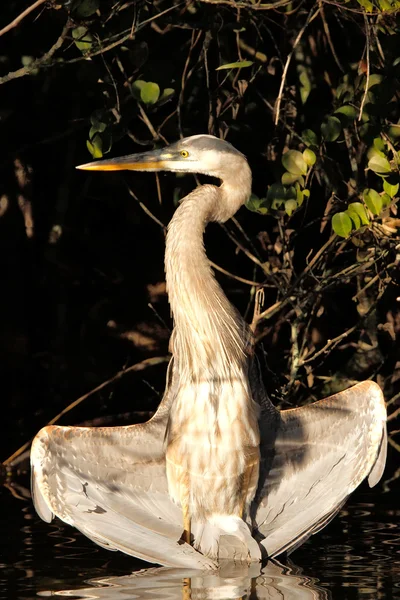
x=80 y=260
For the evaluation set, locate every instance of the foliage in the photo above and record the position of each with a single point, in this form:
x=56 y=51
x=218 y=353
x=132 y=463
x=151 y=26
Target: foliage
x=308 y=91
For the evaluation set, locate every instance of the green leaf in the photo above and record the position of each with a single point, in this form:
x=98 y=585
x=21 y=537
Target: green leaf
x=137 y=87
x=379 y=144
x=236 y=65
x=305 y=83
x=150 y=92
x=310 y=157
x=354 y=217
x=379 y=164
x=98 y=128
x=276 y=195
x=384 y=5
x=86 y=8
x=374 y=79
x=299 y=195
x=390 y=189
x=291 y=193
x=306 y=193
x=359 y=209
x=309 y=137
x=256 y=204
x=290 y=207
x=394 y=132
x=138 y=84
x=386 y=200
x=331 y=129
x=341 y=224
x=373 y=200
x=83 y=39
x=345 y=91
x=166 y=94
x=289 y=178
x=27 y=60
x=369 y=7
x=347 y=111
x=95 y=147
x=294 y=162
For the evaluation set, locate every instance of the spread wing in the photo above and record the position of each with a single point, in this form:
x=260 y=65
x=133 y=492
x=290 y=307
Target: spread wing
x=312 y=459
x=110 y=483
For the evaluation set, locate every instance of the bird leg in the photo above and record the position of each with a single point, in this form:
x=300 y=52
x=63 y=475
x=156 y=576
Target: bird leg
x=186 y=522
x=187 y=588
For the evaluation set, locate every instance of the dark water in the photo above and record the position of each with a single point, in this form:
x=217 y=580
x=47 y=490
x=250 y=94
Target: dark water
x=356 y=556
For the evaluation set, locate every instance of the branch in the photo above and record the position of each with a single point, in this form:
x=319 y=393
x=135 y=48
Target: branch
x=367 y=43
x=148 y=362
x=248 y=5
x=330 y=344
x=43 y=60
x=39 y=61
x=328 y=37
x=24 y=14
x=311 y=17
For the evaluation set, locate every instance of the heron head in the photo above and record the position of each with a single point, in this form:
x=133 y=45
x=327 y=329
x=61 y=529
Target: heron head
x=196 y=154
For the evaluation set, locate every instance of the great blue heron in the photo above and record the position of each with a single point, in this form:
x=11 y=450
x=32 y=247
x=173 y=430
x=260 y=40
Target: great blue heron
x=218 y=472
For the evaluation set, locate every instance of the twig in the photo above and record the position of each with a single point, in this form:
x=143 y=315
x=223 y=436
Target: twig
x=22 y=16
x=148 y=362
x=352 y=158
x=294 y=352
x=258 y=303
x=256 y=6
x=394 y=444
x=368 y=285
x=394 y=414
x=243 y=249
x=213 y=264
x=357 y=11
x=246 y=237
x=318 y=255
x=393 y=399
x=232 y=276
x=311 y=17
x=328 y=37
x=330 y=343
x=260 y=56
x=272 y=310
x=145 y=209
x=267 y=314
x=147 y=121
x=185 y=74
x=283 y=121
x=367 y=43
x=39 y=61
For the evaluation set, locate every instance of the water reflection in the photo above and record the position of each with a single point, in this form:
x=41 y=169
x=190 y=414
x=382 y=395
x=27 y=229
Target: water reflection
x=274 y=582
x=357 y=557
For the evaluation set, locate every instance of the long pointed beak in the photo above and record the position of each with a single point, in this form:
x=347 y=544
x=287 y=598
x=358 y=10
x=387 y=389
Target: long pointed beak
x=144 y=161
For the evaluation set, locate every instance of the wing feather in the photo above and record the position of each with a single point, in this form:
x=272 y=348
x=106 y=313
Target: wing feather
x=107 y=486
x=312 y=459
x=111 y=484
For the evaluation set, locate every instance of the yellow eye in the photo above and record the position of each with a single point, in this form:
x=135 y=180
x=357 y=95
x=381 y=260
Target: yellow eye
x=184 y=153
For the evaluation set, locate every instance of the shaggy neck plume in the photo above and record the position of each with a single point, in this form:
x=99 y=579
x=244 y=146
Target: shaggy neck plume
x=210 y=336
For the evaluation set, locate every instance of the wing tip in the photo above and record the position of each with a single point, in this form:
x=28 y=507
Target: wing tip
x=38 y=455
x=378 y=467
x=39 y=501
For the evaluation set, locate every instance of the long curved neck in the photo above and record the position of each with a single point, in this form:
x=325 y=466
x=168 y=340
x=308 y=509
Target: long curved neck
x=210 y=337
